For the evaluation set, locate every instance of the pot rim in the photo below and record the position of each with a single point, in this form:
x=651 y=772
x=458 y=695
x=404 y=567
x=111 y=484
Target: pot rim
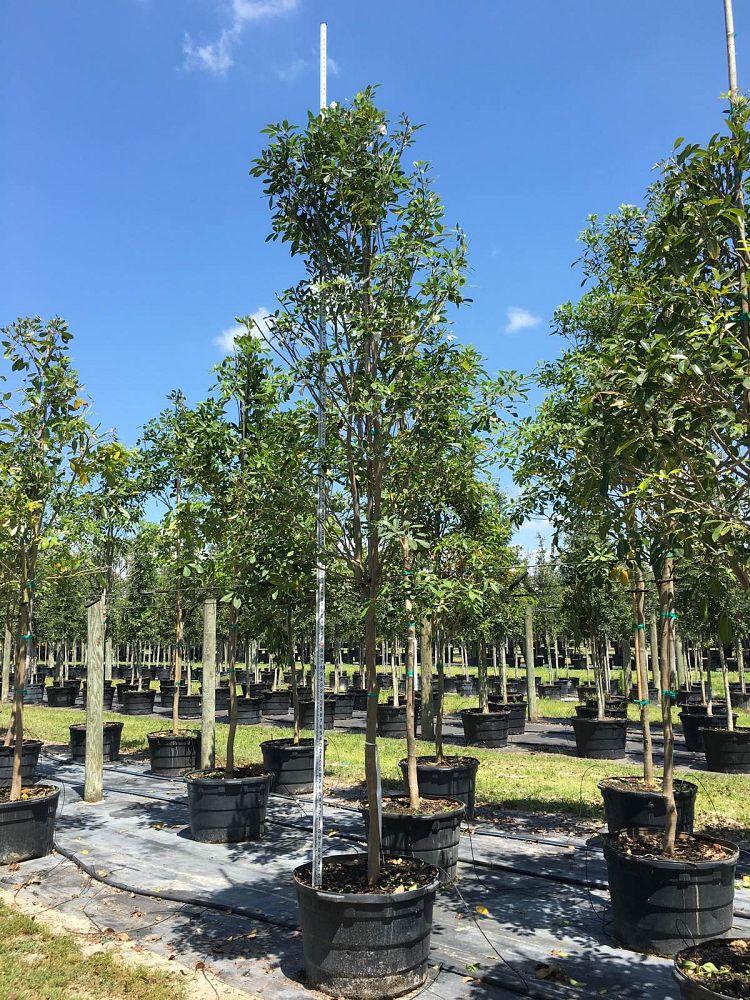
x=198 y=777
x=287 y=743
x=106 y=725
x=672 y=864
x=601 y=785
x=26 y=744
x=680 y=976
x=492 y=711
x=607 y=721
x=367 y=898
x=163 y=736
x=54 y=794
x=463 y=763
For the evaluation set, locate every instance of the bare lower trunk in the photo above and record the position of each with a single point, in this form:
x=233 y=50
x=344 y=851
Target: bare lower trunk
x=484 y=702
x=665 y=586
x=441 y=697
x=22 y=646
x=727 y=689
x=641 y=667
x=428 y=730
x=231 y=662
x=293 y=667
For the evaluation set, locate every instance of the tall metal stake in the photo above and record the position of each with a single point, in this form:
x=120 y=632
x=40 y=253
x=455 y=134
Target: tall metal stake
x=320 y=609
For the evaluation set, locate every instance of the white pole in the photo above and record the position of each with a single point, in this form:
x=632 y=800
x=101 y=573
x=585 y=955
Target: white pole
x=320 y=573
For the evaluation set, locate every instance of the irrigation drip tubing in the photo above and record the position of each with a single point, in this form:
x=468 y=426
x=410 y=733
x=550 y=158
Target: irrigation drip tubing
x=175 y=896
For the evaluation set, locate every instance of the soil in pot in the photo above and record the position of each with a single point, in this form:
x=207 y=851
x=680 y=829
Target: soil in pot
x=27 y=827
x=392 y=721
x=630 y=802
x=454 y=778
x=363 y=942
x=727 y=751
x=694 y=725
x=430 y=833
x=172 y=755
x=291 y=765
x=228 y=810
x=718 y=969
x=485 y=729
x=29 y=760
x=600 y=739
x=657 y=902
x=112 y=735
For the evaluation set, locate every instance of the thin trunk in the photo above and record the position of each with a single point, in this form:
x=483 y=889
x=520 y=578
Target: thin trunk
x=293 y=667
x=231 y=660
x=208 y=688
x=28 y=567
x=7 y=657
x=484 y=702
x=639 y=626
x=654 y=643
x=441 y=697
x=727 y=690
x=533 y=713
x=503 y=673
x=741 y=665
x=428 y=727
x=411 y=649
x=665 y=578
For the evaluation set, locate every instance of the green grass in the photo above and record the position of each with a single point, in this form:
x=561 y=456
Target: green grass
x=36 y=964
x=527 y=781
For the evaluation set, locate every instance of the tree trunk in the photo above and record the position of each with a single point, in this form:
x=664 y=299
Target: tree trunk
x=94 y=765
x=727 y=689
x=665 y=584
x=7 y=657
x=641 y=667
x=441 y=697
x=654 y=644
x=231 y=660
x=293 y=667
x=22 y=645
x=530 y=673
x=427 y=720
x=208 y=687
x=484 y=702
x=741 y=665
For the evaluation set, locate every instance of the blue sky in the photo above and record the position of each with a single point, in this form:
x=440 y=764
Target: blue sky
x=128 y=127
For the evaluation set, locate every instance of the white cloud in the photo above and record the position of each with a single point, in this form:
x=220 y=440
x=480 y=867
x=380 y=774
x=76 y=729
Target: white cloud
x=227 y=338
x=520 y=319
x=216 y=57
x=298 y=67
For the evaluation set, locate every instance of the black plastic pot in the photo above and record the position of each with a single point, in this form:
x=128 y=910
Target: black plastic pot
x=392 y=721
x=307 y=714
x=727 y=752
x=693 y=727
x=227 y=810
x=360 y=701
x=613 y=711
x=257 y=690
x=221 y=695
x=108 y=697
x=585 y=691
x=385 y=681
x=454 y=779
x=653 y=695
x=62 y=697
x=687 y=697
x=365 y=946
x=433 y=839
x=517 y=709
x=344 y=705
x=190 y=706
x=33 y=694
x=552 y=691
x=449 y=685
x=137 y=702
x=112 y=735
x=468 y=687
x=485 y=729
x=29 y=760
x=27 y=827
x=275 y=703
x=692 y=989
x=291 y=766
x=248 y=711
x=658 y=904
x=171 y=756
x=600 y=739
x=625 y=808
x=166 y=694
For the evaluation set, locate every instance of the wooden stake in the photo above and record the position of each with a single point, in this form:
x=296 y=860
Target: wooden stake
x=208 y=689
x=94 y=767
